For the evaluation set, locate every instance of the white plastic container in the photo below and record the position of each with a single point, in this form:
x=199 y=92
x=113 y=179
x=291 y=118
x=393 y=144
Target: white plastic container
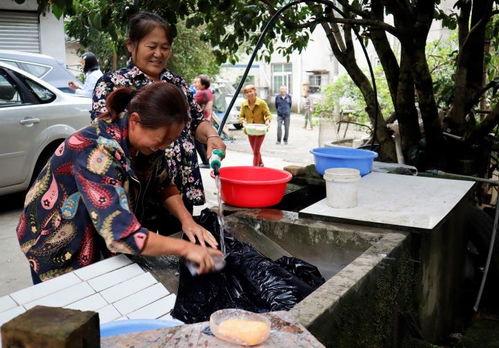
x=341 y=187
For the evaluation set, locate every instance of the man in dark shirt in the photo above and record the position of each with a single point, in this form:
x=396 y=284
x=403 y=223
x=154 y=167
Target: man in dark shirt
x=283 y=105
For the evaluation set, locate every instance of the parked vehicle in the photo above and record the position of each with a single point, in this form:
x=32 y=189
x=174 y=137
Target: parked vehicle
x=223 y=92
x=35 y=118
x=42 y=66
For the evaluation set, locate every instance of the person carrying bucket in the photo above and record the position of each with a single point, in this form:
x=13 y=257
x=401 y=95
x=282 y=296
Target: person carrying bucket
x=255 y=112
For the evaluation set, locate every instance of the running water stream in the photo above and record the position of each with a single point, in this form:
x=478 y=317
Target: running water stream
x=220 y=214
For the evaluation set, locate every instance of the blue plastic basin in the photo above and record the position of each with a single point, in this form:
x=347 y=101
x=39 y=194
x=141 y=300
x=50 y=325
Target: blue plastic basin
x=343 y=157
x=121 y=327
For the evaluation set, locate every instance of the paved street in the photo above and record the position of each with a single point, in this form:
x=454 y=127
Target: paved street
x=14 y=274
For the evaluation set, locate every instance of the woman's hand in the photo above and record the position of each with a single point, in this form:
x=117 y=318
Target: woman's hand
x=202 y=256
x=192 y=230
x=214 y=143
x=72 y=85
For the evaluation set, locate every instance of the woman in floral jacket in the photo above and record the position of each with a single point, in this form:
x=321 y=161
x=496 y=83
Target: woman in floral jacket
x=89 y=199
x=149 y=44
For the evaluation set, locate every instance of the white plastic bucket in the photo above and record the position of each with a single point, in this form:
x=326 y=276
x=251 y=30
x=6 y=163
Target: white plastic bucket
x=341 y=187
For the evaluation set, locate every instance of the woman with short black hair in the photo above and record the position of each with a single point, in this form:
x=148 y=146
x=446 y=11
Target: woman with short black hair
x=90 y=67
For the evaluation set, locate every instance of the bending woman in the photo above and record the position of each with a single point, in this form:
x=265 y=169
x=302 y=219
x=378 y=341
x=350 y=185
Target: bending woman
x=149 y=44
x=88 y=200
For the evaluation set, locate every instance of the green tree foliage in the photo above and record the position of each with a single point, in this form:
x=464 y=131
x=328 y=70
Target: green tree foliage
x=234 y=25
x=100 y=26
x=442 y=57
x=342 y=95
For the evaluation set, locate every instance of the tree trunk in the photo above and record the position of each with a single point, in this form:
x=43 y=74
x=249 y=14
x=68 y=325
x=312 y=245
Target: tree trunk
x=400 y=83
x=405 y=107
x=383 y=136
x=347 y=60
x=428 y=107
x=115 y=61
x=384 y=51
x=470 y=63
x=491 y=121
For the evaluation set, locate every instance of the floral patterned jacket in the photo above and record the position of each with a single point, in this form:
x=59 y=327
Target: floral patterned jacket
x=181 y=155
x=85 y=201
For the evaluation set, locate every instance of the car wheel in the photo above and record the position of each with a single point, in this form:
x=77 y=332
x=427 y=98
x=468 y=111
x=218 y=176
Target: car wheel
x=42 y=160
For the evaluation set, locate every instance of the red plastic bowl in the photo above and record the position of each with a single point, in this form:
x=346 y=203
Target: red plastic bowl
x=253 y=187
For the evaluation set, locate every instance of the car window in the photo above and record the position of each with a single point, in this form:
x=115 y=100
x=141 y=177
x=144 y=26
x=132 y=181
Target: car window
x=35 y=69
x=44 y=95
x=9 y=94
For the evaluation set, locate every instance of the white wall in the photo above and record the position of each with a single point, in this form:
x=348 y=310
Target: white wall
x=52 y=40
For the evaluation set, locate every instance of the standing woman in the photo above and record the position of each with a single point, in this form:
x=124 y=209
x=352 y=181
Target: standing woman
x=254 y=110
x=149 y=44
x=90 y=67
x=204 y=98
x=88 y=200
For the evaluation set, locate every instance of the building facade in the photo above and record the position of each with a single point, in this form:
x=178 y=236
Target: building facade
x=315 y=67
x=22 y=29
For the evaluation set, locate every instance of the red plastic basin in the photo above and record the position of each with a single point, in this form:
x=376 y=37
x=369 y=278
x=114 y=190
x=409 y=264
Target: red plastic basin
x=253 y=187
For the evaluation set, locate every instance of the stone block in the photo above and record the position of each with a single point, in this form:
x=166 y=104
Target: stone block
x=52 y=327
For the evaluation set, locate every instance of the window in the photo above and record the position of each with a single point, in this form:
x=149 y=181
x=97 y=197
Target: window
x=43 y=94
x=281 y=76
x=315 y=80
x=9 y=95
x=35 y=69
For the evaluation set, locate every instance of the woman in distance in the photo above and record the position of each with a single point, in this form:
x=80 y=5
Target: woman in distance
x=90 y=67
x=255 y=110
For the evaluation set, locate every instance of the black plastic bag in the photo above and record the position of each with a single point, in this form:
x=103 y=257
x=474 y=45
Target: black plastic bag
x=249 y=281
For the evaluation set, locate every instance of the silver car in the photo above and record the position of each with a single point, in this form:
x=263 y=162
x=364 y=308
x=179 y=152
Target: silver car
x=35 y=118
x=42 y=66
x=223 y=92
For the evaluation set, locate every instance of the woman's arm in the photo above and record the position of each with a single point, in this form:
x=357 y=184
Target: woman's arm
x=208 y=135
x=157 y=245
x=176 y=207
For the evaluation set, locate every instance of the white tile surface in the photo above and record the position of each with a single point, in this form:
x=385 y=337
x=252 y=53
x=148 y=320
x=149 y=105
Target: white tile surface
x=170 y=318
x=108 y=313
x=399 y=200
x=64 y=297
x=10 y=314
x=128 y=288
x=115 y=277
x=91 y=303
x=155 y=310
x=141 y=299
x=6 y=302
x=45 y=288
x=101 y=267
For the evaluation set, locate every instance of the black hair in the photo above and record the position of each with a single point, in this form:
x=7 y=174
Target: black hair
x=204 y=80
x=143 y=23
x=91 y=62
x=158 y=104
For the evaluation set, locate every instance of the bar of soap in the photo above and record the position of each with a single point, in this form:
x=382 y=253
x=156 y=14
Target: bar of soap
x=241 y=331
